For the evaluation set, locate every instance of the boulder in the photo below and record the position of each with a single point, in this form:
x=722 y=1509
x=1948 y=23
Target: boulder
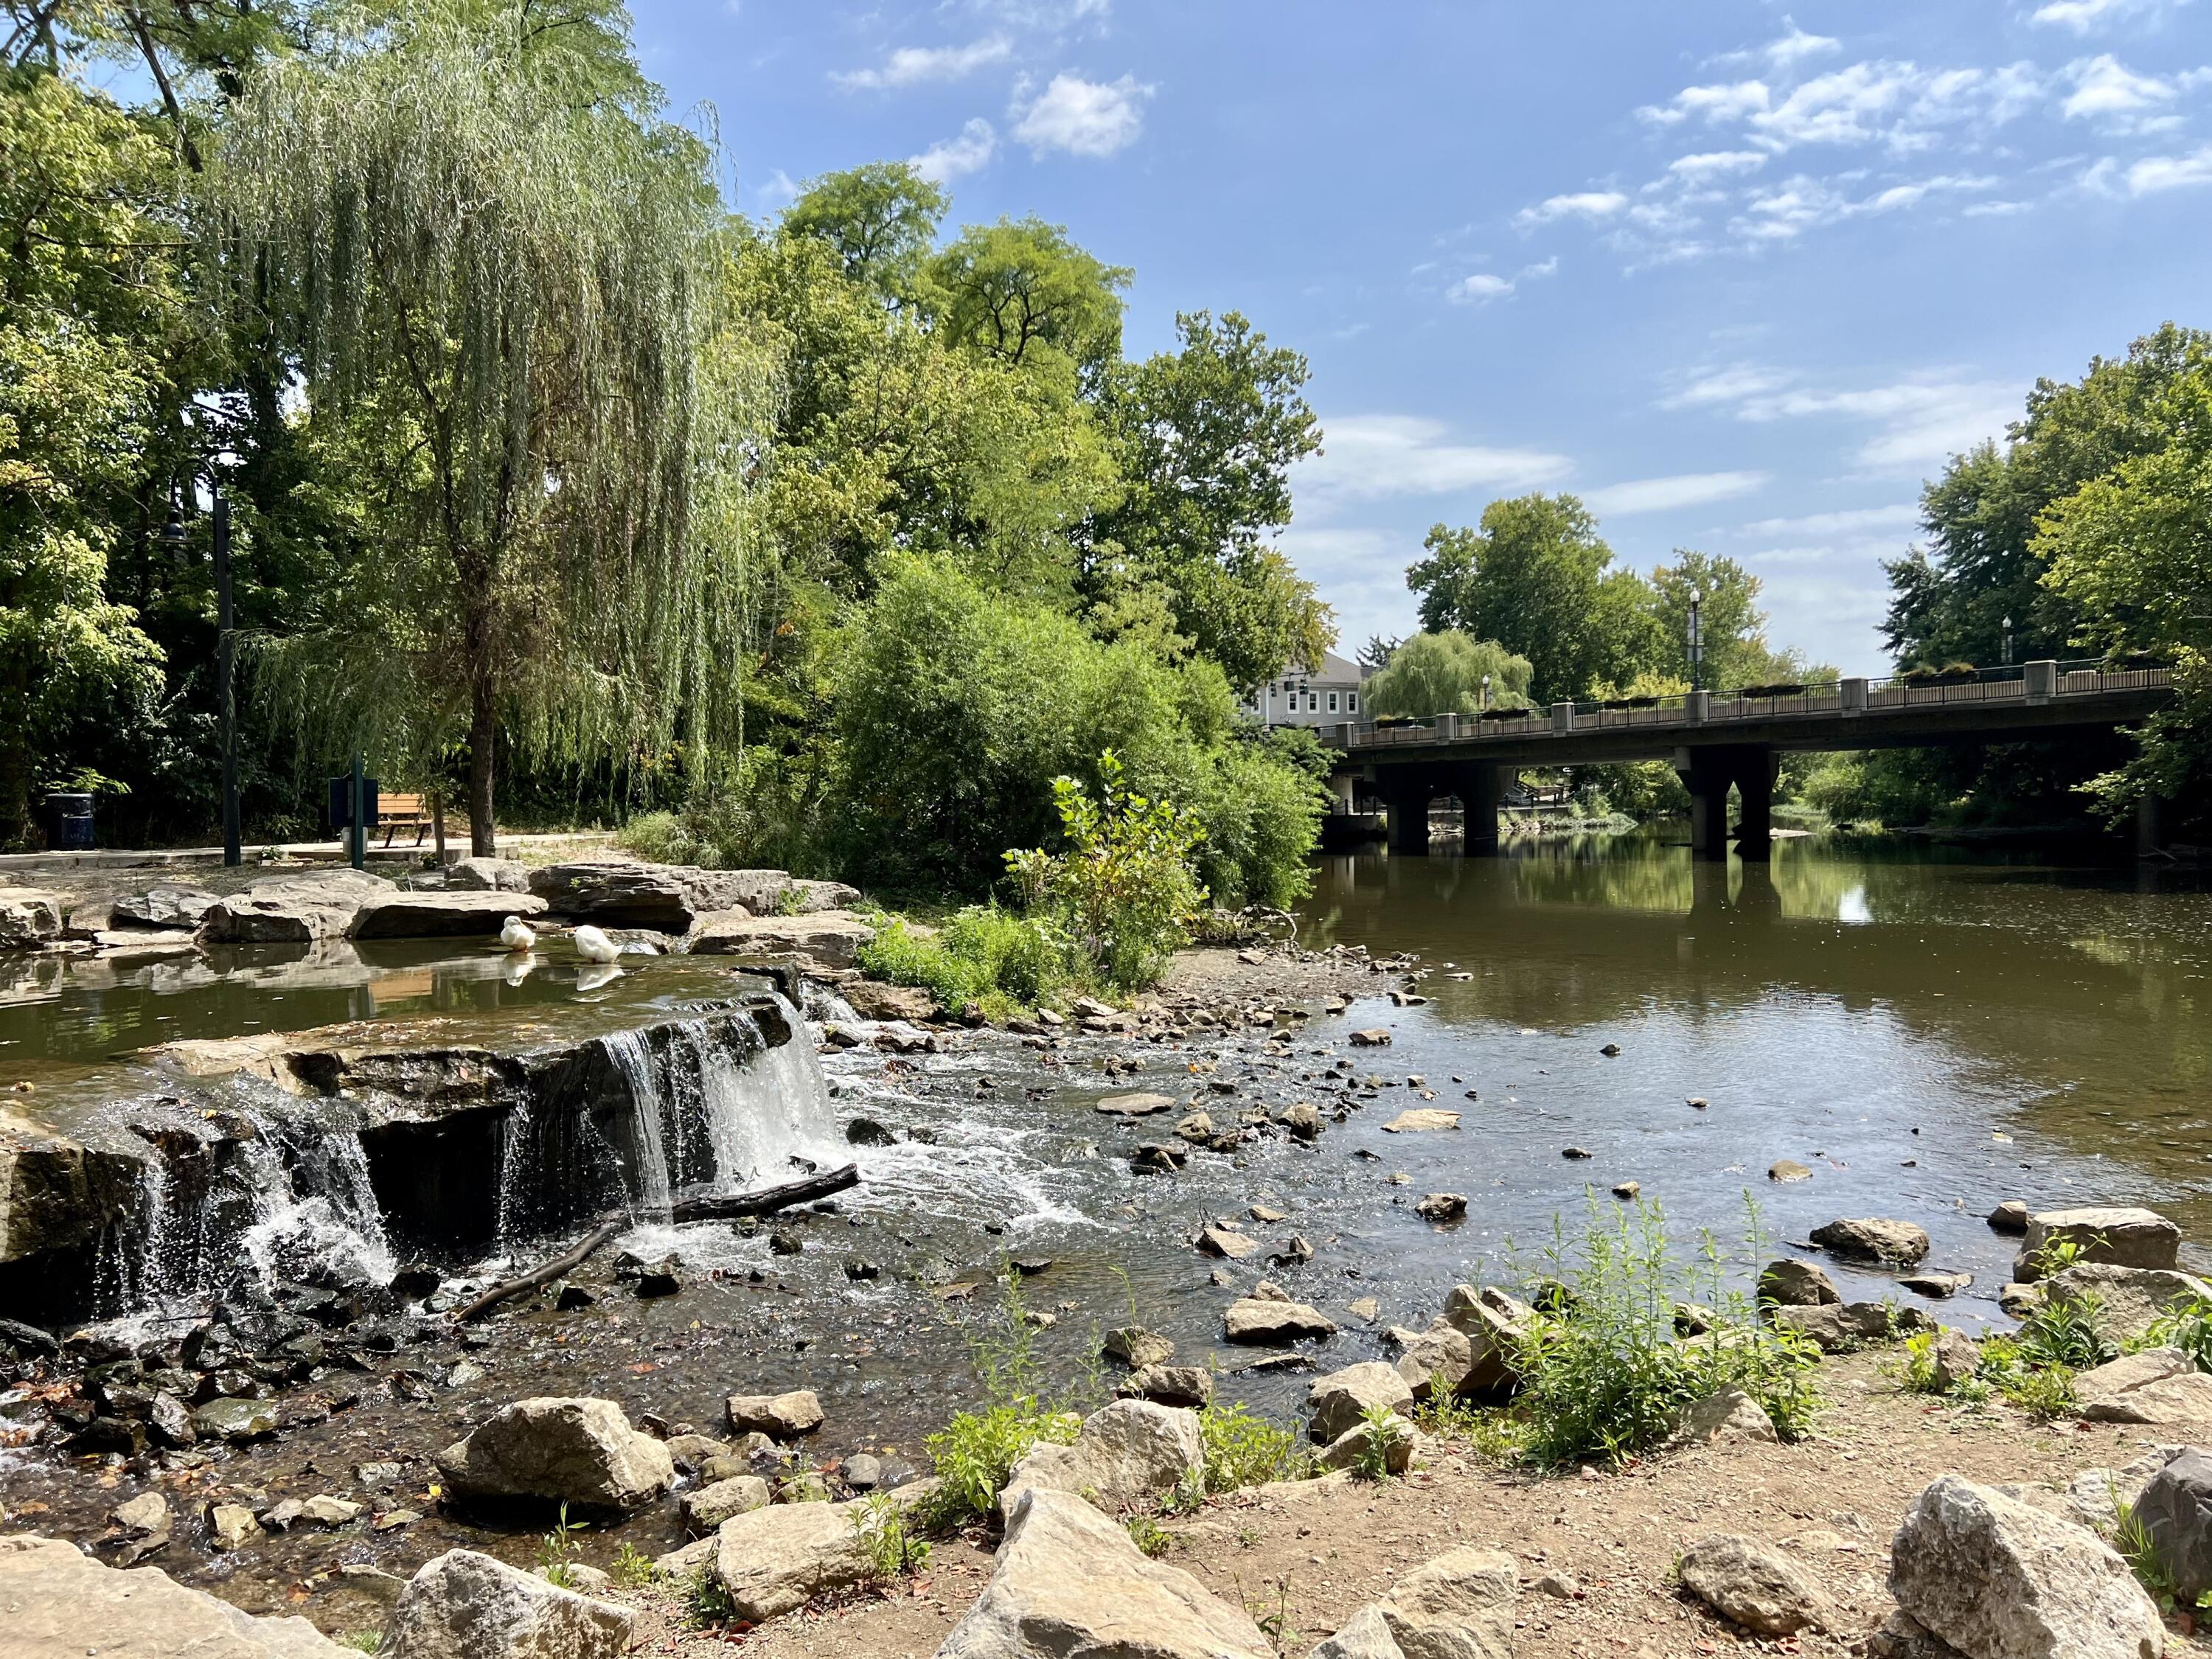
x=706 y=1510
x=1459 y=1606
x=56 y=1596
x=1790 y=1283
x=779 y=1416
x=873 y=999
x=829 y=938
x=1265 y=1321
x=1302 y=1122
x=1169 y=1385
x=2185 y=1399
x=1404 y=1447
x=1339 y=1401
x=1730 y=1417
x=482 y=875
x=1124 y=1452
x=803 y=897
x=1493 y=1335
x=29 y=918
x=1436 y=1362
x=1872 y=1238
x=467 y=1603
x=2121 y=1237
x=1940 y=1285
x=160 y=907
x=2009 y=1216
x=1226 y=1243
x=1755 y=1585
x=441 y=916
x=1788 y=1169
x=1137 y=1347
x=579 y=1451
x=2132 y=1370
x=299 y=907
x=2176 y=1509
x=1067 y=1581
x=614 y=893
x=234 y=1420
x=774 y=1559
x=1440 y=1207
x=1837 y=1329
x=1956 y=1356
x=2129 y=1300
x=1998 y=1579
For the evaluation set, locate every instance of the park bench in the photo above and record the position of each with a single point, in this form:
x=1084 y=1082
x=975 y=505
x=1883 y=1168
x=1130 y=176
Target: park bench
x=399 y=812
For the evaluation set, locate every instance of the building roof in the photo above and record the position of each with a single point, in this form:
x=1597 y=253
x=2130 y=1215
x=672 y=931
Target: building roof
x=1333 y=668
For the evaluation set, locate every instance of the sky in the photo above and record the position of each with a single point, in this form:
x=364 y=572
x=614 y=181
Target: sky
x=1741 y=275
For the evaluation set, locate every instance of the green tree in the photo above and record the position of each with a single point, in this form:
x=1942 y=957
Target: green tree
x=1205 y=436
x=2131 y=554
x=880 y=220
x=1536 y=577
x=90 y=308
x=1023 y=293
x=1732 y=627
x=1448 y=673
x=492 y=258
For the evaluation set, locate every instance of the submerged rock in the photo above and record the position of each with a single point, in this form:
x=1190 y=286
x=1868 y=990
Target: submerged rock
x=1067 y=1581
x=560 y=1450
x=464 y=1603
x=779 y=1416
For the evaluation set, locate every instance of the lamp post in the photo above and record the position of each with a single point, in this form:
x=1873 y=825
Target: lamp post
x=1696 y=641
x=172 y=535
x=2008 y=641
x=1485 y=690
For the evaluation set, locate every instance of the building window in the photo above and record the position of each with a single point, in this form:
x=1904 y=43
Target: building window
x=1332 y=702
x=1313 y=702
x=1351 y=702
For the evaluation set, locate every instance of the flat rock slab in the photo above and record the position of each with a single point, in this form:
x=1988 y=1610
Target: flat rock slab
x=774 y=1559
x=58 y=1600
x=1419 y=1119
x=1068 y=1582
x=1259 y=1320
x=1136 y=1105
x=293 y=908
x=830 y=938
x=464 y=914
x=160 y=907
x=779 y=1416
x=2122 y=1238
x=1755 y=1585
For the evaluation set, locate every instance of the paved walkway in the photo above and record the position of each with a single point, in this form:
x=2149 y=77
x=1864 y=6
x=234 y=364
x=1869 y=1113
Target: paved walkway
x=122 y=858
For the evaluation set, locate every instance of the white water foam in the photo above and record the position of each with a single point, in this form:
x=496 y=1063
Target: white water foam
x=315 y=1213
x=633 y=1057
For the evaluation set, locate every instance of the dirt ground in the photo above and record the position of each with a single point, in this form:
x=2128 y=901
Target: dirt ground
x=1310 y=1560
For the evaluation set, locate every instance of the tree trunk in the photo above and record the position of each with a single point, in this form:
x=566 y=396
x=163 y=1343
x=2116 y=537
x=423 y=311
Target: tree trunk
x=478 y=645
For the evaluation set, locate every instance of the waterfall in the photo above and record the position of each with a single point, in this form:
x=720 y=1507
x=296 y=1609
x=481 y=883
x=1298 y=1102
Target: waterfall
x=762 y=1109
x=633 y=1057
x=315 y=1215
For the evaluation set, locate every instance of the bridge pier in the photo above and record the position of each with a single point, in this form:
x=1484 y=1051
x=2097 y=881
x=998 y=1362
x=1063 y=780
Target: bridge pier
x=1405 y=791
x=1478 y=787
x=1707 y=776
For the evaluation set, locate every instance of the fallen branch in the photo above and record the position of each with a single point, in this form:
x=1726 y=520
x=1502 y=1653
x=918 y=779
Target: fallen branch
x=552 y=1270
x=765 y=1200
x=761 y=1201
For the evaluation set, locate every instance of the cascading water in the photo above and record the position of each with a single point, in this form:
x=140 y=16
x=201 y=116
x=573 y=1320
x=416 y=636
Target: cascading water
x=632 y=1058
x=315 y=1213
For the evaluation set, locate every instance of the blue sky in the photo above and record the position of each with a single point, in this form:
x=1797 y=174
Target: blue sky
x=1741 y=274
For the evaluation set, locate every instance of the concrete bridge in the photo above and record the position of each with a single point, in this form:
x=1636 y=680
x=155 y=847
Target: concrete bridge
x=1719 y=740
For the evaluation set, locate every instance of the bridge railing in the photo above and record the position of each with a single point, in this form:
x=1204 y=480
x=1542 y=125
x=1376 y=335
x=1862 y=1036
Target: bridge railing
x=1760 y=703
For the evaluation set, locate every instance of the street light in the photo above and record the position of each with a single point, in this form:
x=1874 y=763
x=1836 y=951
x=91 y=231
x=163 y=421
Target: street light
x=173 y=536
x=2008 y=641
x=1697 y=640
x=1485 y=690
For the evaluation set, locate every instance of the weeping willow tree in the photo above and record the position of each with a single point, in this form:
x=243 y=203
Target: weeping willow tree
x=497 y=270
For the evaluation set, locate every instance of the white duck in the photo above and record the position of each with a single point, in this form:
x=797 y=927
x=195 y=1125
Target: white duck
x=516 y=935
x=594 y=945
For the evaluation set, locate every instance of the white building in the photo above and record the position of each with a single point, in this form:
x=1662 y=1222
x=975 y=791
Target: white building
x=1304 y=696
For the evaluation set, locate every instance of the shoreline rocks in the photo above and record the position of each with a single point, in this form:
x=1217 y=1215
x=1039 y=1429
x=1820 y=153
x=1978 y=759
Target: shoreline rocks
x=552 y=1450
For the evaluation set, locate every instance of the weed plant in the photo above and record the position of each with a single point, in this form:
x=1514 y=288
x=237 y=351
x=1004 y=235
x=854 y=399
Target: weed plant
x=1245 y=1449
x=633 y=1569
x=557 y=1551
x=1603 y=1374
x=982 y=955
x=893 y=1546
x=975 y=1453
x=1151 y=1538
x=1385 y=1429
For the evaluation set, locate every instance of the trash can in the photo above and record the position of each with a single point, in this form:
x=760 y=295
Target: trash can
x=69 y=821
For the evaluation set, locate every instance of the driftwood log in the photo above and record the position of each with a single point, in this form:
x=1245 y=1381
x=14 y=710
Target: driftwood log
x=726 y=1207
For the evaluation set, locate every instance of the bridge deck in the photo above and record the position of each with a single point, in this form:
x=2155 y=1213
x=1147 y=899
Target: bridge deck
x=1997 y=706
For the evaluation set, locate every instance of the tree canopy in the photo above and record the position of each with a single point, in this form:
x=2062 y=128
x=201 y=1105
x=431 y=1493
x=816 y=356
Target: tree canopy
x=1448 y=673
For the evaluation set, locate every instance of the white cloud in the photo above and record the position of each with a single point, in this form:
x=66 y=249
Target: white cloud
x=1803 y=204
x=1796 y=46
x=2104 y=88
x=780 y=190
x=1592 y=205
x=2155 y=174
x=1666 y=494
x=1921 y=423
x=1731 y=384
x=1374 y=457
x=1478 y=289
x=967 y=151
x=1482 y=287
x=1084 y=118
x=1714 y=104
x=910 y=65
x=1848 y=521
x=2084 y=16
x=1716 y=164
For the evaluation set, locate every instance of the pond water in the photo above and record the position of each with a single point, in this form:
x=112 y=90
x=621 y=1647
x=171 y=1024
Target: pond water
x=1931 y=1034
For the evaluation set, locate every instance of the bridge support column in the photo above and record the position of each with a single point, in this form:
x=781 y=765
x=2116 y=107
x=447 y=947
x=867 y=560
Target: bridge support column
x=1478 y=787
x=1754 y=782
x=2150 y=827
x=1708 y=784
x=1708 y=775
x=1405 y=790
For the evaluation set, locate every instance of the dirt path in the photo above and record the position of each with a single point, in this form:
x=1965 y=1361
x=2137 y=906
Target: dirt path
x=1310 y=1559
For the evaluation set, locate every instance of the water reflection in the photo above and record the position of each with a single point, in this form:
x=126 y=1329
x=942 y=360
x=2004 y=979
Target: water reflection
x=2074 y=996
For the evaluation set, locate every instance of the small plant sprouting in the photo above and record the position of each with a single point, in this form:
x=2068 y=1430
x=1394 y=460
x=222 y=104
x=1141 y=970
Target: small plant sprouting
x=633 y=1568
x=557 y=1552
x=1151 y=1538
x=1385 y=1432
x=707 y=1600
x=893 y=1547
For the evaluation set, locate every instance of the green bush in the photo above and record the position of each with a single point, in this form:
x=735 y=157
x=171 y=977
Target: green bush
x=1123 y=886
x=982 y=955
x=2187 y=1326
x=1244 y=1450
x=1603 y=1374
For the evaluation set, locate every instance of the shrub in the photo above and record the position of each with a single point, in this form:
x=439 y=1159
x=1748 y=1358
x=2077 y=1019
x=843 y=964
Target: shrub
x=893 y=1549
x=2186 y=1325
x=1123 y=886
x=981 y=955
x=1243 y=1449
x=975 y=1453
x=1603 y=1374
